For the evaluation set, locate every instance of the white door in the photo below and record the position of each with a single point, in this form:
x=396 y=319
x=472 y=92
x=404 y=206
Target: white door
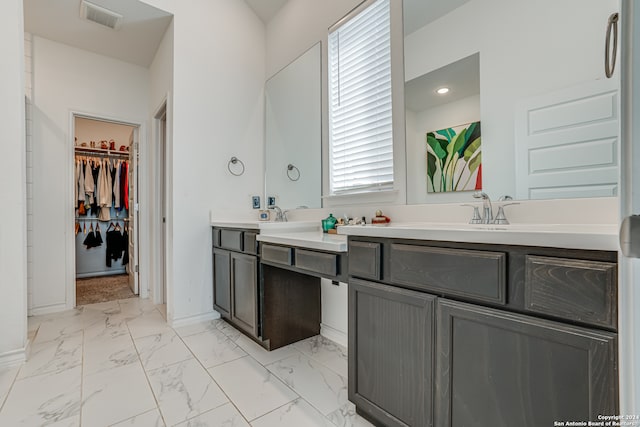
x=132 y=266
x=629 y=282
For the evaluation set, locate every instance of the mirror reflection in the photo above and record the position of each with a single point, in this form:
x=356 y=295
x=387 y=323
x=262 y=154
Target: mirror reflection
x=293 y=133
x=532 y=75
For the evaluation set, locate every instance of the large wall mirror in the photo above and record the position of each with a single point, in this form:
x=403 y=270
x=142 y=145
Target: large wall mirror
x=528 y=113
x=293 y=172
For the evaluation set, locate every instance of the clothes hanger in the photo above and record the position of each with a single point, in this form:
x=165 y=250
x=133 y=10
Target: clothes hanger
x=85 y=228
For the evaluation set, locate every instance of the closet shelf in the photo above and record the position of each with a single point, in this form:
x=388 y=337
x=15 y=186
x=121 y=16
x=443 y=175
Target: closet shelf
x=82 y=218
x=101 y=152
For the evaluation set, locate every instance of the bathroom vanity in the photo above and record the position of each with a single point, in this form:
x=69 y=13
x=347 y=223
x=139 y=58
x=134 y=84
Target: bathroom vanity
x=451 y=333
x=268 y=285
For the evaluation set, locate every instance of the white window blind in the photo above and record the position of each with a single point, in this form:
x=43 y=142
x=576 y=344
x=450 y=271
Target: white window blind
x=360 y=126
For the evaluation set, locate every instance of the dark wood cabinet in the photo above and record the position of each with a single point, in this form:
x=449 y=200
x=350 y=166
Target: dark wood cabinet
x=391 y=353
x=222 y=281
x=244 y=292
x=236 y=279
x=496 y=368
x=460 y=334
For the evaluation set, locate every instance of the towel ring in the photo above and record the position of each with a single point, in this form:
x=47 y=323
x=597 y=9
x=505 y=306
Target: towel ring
x=291 y=167
x=234 y=160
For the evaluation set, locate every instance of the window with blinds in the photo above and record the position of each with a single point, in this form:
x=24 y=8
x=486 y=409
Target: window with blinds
x=360 y=126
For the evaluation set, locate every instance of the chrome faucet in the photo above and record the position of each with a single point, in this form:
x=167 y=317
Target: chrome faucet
x=487 y=209
x=281 y=216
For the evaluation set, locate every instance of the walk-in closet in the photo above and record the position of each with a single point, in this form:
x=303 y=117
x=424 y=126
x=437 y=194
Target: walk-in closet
x=105 y=196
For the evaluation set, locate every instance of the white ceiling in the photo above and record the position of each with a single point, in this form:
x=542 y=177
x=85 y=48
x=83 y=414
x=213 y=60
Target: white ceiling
x=266 y=9
x=461 y=77
x=136 y=41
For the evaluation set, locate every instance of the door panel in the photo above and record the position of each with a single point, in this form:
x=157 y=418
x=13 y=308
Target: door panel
x=132 y=267
x=391 y=353
x=502 y=369
x=244 y=278
x=222 y=282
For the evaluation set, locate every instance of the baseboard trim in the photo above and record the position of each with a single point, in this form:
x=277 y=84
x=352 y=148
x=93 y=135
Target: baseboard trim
x=189 y=320
x=334 y=334
x=13 y=358
x=48 y=309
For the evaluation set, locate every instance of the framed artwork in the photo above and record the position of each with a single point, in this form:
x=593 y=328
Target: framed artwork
x=454 y=159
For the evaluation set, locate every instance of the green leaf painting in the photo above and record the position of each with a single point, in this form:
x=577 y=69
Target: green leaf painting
x=454 y=159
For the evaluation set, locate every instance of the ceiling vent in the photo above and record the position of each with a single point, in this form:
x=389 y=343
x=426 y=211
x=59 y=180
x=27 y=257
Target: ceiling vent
x=100 y=15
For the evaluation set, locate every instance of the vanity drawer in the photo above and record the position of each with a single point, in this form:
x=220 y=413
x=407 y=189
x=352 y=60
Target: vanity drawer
x=250 y=244
x=364 y=259
x=277 y=254
x=231 y=239
x=584 y=291
x=318 y=262
x=473 y=274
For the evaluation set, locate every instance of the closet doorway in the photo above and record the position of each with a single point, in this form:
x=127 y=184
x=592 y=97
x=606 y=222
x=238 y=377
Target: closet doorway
x=106 y=205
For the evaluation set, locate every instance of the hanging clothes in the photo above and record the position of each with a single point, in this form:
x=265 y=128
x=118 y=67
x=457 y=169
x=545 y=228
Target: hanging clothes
x=95 y=173
x=89 y=183
x=113 y=171
x=116 y=187
x=125 y=243
x=98 y=235
x=125 y=185
x=115 y=248
x=104 y=192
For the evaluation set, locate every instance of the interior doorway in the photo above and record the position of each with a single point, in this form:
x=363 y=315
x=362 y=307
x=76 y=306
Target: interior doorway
x=161 y=144
x=106 y=206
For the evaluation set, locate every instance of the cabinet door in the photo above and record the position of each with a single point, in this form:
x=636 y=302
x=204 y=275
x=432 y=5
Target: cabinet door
x=244 y=287
x=501 y=369
x=391 y=353
x=222 y=282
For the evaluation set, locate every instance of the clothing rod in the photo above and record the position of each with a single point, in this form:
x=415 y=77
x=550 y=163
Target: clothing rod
x=98 y=220
x=100 y=152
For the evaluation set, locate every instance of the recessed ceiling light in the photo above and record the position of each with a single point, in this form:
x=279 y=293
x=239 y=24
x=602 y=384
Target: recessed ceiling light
x=442 y=90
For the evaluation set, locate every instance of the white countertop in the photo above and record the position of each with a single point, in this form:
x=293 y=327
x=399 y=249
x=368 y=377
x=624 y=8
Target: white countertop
x=307 y=239
x=570 y=236
x=268 y=227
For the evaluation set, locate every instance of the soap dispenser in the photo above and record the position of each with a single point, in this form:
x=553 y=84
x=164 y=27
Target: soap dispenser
x=328 y=223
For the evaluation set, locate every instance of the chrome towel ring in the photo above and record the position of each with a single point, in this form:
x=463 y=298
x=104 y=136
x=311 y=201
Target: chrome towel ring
x=234 y=161
x=290 y=168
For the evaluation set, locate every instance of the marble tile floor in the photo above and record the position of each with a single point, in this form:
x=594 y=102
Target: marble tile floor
x=118 y=363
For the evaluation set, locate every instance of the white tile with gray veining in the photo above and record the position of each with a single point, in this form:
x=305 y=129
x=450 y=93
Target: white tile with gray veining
x=346 y=416
x=157 y=351
x=148 y=419
x=319 y=385
x=124 y=388
x=252 y=388
x=108 y=353
x=64 y=352
x=147 y=324
x=296 y=413
x=196 y=328
x=224 y=416
x=325 y=351
x=184 y=390
x=43 y=399
x=261 y=354
x=119 y=364
x=213 y=348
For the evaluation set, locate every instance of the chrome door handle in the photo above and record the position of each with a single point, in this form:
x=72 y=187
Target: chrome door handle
x=610 y=63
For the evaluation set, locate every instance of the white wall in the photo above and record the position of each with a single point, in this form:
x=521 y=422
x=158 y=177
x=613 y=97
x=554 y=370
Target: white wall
x=13 y=254
x=452 y=114
x=518 y=59
x=84 y=82
x=218 y=112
